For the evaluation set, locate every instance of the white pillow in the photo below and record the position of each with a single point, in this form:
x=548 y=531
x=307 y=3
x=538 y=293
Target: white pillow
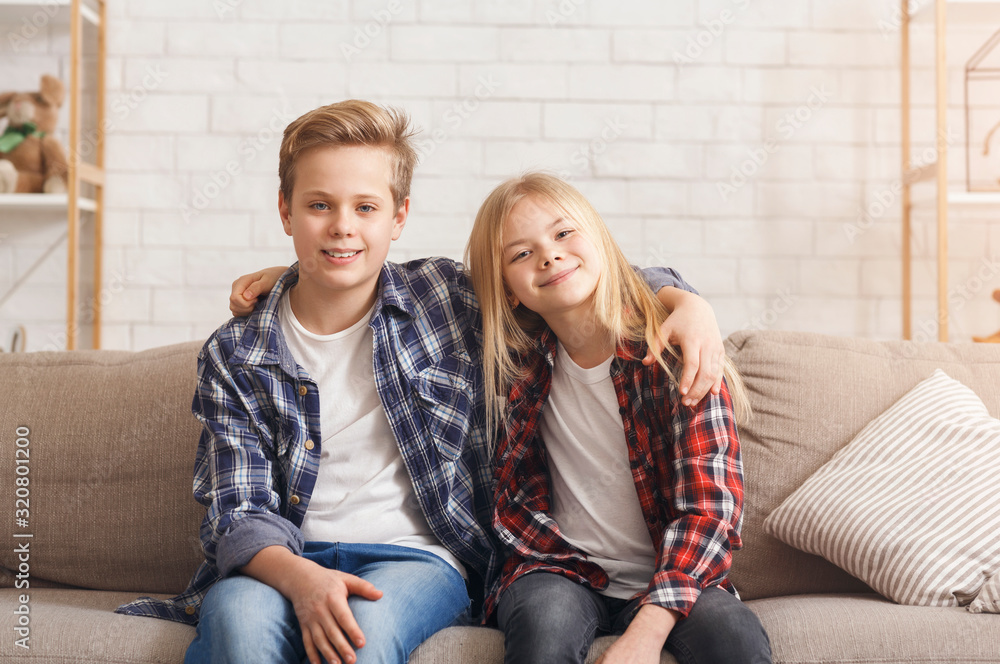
x=911 y=506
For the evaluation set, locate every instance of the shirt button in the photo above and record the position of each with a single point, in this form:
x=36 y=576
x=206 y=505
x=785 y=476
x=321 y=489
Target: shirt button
x=303 y=390
x=621 y=410
x=190 y=610
x=294 y=500
x=310 y=444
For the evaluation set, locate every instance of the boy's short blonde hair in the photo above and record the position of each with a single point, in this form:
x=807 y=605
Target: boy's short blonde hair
x=352 y=122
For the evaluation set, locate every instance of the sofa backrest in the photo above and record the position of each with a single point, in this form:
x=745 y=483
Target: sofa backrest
x=111 y=448
x=110 y=451
x=811 y=394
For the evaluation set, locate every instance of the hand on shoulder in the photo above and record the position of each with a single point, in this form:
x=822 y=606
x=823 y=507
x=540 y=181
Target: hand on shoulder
x=249 y=287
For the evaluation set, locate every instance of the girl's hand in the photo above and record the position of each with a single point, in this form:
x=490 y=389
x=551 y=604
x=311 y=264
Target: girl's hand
x=249 y=287
x=629 y=651
x=692 y=326
x=643 y=641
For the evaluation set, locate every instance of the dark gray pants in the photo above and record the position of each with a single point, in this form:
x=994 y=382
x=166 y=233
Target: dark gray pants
x=549 y=619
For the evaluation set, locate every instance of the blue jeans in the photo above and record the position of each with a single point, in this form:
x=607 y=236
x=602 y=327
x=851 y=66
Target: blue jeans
x=549 y=619
x=244 y=620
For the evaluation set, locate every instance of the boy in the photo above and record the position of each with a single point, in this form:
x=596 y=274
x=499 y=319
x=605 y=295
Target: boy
x=357 y=544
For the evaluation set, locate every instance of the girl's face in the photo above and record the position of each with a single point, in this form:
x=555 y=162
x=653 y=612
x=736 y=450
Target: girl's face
x=549 y=266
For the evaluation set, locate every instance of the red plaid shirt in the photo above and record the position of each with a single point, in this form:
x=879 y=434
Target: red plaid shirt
x=687 y=471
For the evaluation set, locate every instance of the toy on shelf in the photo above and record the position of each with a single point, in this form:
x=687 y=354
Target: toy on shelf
x=31 y=159
x=995 y=337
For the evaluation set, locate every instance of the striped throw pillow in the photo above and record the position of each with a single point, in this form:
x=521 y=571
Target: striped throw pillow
x=911 y=506
x=988 y=599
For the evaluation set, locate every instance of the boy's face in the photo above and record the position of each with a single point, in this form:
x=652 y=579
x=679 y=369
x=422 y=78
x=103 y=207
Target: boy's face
x=342 y=219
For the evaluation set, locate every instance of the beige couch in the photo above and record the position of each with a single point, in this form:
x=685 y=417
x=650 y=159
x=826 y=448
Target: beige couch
x=111 y=445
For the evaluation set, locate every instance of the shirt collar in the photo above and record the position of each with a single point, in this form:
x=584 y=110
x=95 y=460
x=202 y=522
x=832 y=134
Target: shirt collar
x=625 y=350
x=394 y=290
x=263 y=342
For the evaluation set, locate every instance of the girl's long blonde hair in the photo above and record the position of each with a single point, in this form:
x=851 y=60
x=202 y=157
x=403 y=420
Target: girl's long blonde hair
x=624 y=304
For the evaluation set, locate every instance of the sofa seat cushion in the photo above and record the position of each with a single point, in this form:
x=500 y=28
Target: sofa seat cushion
x=484 y=645
x=842 y=629
x=74 y=626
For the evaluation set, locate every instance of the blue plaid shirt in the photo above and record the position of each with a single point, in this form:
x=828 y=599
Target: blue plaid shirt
x=254 y=472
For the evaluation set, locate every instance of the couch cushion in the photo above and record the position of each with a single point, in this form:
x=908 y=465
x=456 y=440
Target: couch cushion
x=910 y=506
x=484 y=645
x=73 y=626
x=811 y=395
x=111 y=448
x=849 y=629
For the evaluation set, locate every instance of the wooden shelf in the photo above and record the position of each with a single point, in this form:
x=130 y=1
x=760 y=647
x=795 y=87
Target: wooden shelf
x=939 y=12
x=71 y=16
x=44 y=203
x=974 y=198
x=16 y=9
x=961 y=11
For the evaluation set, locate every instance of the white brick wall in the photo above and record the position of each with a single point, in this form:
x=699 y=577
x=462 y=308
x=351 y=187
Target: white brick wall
x=752 y=145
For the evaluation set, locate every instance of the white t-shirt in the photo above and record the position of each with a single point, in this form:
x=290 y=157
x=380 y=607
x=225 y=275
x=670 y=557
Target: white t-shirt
x=363 y=492
x=594 y=499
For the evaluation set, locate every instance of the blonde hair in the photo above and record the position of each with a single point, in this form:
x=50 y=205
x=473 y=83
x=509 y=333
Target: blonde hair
x=351 y=122
x=624 y=303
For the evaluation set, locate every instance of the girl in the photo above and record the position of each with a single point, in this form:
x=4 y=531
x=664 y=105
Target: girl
x=620 y=507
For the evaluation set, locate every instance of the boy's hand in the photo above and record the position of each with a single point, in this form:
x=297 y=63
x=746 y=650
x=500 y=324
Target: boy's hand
x=319 y=597
x=692 y=326
x=249 y=287
x=643 y=640
x=328 y=626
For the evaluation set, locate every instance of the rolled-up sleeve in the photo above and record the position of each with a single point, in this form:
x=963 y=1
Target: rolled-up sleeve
x=233 y=474
x=706 y=504
x=661 y=277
